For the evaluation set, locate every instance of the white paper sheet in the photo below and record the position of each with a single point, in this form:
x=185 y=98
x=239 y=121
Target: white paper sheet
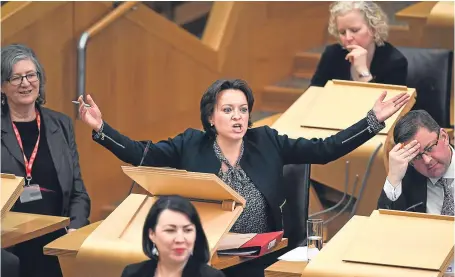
x=299 y=254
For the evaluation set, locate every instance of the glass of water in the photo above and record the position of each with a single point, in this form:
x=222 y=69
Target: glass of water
x=314 y=237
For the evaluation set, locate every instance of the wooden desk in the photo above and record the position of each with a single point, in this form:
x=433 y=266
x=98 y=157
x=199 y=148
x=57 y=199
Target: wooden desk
x=329 y=261
x=67 y=247
x=285 y=269
x=20 y=227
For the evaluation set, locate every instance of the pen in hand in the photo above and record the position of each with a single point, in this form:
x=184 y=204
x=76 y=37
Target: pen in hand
x=77 y=103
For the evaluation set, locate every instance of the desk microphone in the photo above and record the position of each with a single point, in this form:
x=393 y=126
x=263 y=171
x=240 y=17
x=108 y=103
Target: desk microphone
x=142 y=160
x=413 y=206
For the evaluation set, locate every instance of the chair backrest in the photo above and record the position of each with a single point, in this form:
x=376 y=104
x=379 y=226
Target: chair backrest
x=430 y=73
x=295 y=213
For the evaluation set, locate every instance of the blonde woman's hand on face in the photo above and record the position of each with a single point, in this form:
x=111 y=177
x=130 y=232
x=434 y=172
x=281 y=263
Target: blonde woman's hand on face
x=399 y=158
x=90 y=115
x=385 y=109
x=357 y=56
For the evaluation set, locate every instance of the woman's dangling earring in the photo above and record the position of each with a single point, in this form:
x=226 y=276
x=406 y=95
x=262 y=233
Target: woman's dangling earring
x=155 y=251
x=3 y=99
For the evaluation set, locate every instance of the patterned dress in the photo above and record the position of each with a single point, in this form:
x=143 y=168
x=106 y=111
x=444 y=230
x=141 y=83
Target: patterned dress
x=255 y=216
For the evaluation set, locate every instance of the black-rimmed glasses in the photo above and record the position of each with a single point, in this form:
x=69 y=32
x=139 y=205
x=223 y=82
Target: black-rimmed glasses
x=17 y=80
x=430 y=148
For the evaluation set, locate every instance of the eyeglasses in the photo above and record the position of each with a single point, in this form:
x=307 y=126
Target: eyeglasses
x=429 y=149
x=17 y=80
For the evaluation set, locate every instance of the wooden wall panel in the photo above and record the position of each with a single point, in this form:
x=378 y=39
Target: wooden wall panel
x=261 y=38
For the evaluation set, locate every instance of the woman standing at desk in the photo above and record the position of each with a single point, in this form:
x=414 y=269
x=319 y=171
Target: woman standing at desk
x=362 y=54
x=249 y=160
x=39 y=144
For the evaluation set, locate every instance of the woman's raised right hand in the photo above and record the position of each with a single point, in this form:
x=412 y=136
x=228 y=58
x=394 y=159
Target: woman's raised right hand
x=90 y=115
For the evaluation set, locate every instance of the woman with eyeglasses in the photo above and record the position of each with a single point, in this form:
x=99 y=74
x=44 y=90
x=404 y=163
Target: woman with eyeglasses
x=38 y=144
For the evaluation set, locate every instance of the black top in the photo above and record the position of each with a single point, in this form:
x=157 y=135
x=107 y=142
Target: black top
x=388 y=66
x=192 y=269
x=265 y=154
x=58 y=138
x=43 y=172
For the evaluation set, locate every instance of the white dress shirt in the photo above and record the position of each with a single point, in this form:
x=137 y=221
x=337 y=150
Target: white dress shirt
x=435 y=193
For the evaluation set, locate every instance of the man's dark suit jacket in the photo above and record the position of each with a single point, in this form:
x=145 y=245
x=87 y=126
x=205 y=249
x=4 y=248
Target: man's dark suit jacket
x=388 y=66
x=265 y=153
x=414 y=191
x=147 y=268
x=62 y=146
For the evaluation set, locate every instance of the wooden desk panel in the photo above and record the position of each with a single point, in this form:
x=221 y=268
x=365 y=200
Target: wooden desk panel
x=285 y=269
x=67 y=247
x=20 y=227
x=329 y=261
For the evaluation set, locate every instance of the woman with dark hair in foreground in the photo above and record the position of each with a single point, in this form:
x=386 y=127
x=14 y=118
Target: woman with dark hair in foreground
x=174 y=241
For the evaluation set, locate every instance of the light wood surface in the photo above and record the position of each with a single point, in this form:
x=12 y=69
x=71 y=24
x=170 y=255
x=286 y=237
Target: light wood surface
x=20 y=227
x=70 y=244
x=419 y=10
x=11 y=189
x=159 y=181
x=442 y=15
x=329 y=262
x=290 y=123
x=337 y=94
x=285 y=269
x=434 y=250
x=19 y=16
x=121 y=10
x=431 y=24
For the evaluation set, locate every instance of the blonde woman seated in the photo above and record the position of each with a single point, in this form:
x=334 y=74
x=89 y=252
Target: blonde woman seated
x=174 y=241
x=362 y=54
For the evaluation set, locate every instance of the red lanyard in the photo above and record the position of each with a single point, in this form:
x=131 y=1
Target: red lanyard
x=29 y=164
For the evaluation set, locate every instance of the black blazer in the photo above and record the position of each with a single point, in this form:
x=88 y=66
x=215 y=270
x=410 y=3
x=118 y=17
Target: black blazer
x=62 y=146
x=147 y=269
x=414 y=191
x=388 y=66
x=265 y=153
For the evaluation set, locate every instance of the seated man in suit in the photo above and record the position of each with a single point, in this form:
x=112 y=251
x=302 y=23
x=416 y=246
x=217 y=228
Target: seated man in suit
x=426 y=185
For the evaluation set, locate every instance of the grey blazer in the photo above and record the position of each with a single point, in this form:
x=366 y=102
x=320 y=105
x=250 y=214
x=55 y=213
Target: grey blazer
x=63 y=149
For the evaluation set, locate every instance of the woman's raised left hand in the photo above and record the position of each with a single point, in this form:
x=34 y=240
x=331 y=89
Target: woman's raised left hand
x=385 y=109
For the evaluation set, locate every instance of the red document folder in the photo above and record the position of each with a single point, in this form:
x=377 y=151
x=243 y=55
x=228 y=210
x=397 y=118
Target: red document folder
x=249 y=245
